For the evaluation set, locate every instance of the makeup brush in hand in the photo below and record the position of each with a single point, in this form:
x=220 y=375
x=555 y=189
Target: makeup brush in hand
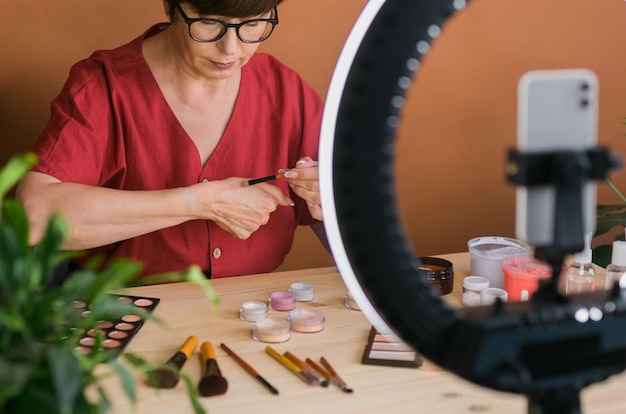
x=212 y=383
x=167 y=375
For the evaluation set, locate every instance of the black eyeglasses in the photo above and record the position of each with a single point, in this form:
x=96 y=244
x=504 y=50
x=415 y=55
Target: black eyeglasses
x=211 y=30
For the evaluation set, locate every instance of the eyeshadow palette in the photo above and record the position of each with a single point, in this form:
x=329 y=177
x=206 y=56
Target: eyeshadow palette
x=115 y=334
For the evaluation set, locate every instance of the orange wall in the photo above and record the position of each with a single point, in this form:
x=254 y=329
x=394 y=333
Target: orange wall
x=459 y=118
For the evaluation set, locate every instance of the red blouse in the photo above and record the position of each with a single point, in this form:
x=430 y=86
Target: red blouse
x=111 y=127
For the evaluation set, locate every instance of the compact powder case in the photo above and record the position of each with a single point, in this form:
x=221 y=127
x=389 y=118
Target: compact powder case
x=272 y=330
x=307 y=320
x=303 y=291
x=253 y=311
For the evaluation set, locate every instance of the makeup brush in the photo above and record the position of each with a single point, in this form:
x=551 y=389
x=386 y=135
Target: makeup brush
x=212 y=382
x=265 y=179
x=167 y=376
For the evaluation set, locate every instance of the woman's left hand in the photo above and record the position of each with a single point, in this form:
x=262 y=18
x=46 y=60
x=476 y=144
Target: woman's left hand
x=304 y=181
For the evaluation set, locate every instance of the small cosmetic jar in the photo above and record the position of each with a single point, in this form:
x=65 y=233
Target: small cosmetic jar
x=490 y=295
x=486 y=254
x=304 y=292
x=439 y=273
x=282 y=301
x=472 y=286
x=253 y=311
x=522 y=275
x=306 y=320
x=350 y=303
x=271 y=330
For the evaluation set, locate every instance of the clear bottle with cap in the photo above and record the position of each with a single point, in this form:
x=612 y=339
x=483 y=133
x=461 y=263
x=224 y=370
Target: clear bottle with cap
x=580 y=275
x=617 y=269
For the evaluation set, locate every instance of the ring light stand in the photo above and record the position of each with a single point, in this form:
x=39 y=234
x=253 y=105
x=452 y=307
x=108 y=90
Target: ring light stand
x=547 y=350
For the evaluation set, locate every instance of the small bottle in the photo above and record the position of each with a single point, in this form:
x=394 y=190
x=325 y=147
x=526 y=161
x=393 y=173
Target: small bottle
x=616 y=270
x=580 y=275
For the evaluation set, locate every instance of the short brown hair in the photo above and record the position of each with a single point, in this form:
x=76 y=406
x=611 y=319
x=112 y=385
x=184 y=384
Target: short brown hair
x=229 y=8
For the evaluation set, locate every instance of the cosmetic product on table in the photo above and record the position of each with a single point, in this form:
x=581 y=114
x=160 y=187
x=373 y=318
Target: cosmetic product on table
x=167 y=375
x=307 y=370
x=490 y=295
x=303 y=291
x=115 y=334
x=350 y=303
x=253 y=311
x=282 y=301
x=486 y=254
x=249 y=369
x=272 y=330
x=293 y=368
x=212 y=382
x=439 y=272
x=581 y=276
x=616 y=270
x=389 y=351
x=334 y=378
x=306 y=320
x=522 y=275
x=472 y=286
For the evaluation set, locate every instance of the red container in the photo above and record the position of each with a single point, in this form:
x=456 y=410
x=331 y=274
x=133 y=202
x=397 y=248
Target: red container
x=522 y=275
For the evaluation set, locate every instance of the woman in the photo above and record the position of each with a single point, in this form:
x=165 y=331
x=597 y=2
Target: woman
x=150 y=146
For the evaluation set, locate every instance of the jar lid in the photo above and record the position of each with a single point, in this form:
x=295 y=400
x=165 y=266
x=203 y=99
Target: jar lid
x=475 y=283
x=272 y=330
x=303 y=291
x=252 y=311
x=306 y=320
x=436 y=268
x=281 y=296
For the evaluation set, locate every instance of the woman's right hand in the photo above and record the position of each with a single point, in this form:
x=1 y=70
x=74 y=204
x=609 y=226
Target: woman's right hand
x=238 y=208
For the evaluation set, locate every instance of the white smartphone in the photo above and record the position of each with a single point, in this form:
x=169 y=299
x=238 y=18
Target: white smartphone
x=557 y=110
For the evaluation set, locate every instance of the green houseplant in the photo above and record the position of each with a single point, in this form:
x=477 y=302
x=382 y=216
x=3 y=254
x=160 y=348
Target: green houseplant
x=40 y=369
x=608 y=217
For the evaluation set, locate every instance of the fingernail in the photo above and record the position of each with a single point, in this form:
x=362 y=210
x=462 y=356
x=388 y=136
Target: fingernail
x=300 y=162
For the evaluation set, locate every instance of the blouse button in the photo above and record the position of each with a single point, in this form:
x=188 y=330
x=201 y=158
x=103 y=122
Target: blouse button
x=217 y=252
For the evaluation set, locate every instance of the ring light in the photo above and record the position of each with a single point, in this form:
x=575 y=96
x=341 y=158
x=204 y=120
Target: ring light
x=546 y=351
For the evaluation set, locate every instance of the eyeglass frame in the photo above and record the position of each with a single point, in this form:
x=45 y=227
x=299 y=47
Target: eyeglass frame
x=191 y=20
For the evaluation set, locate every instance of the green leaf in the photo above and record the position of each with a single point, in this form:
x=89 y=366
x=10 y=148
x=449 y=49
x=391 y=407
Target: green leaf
x=193 y=395
x=65 y=376
x=602 y=255
x=117 y=274
x=127 y=380
x=14 y=169
x=609 y=216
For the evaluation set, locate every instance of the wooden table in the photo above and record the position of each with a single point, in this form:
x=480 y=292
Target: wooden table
x=186 y=311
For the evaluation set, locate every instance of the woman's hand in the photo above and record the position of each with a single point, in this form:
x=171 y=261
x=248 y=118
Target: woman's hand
x=304 y=181
x=238 y=208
